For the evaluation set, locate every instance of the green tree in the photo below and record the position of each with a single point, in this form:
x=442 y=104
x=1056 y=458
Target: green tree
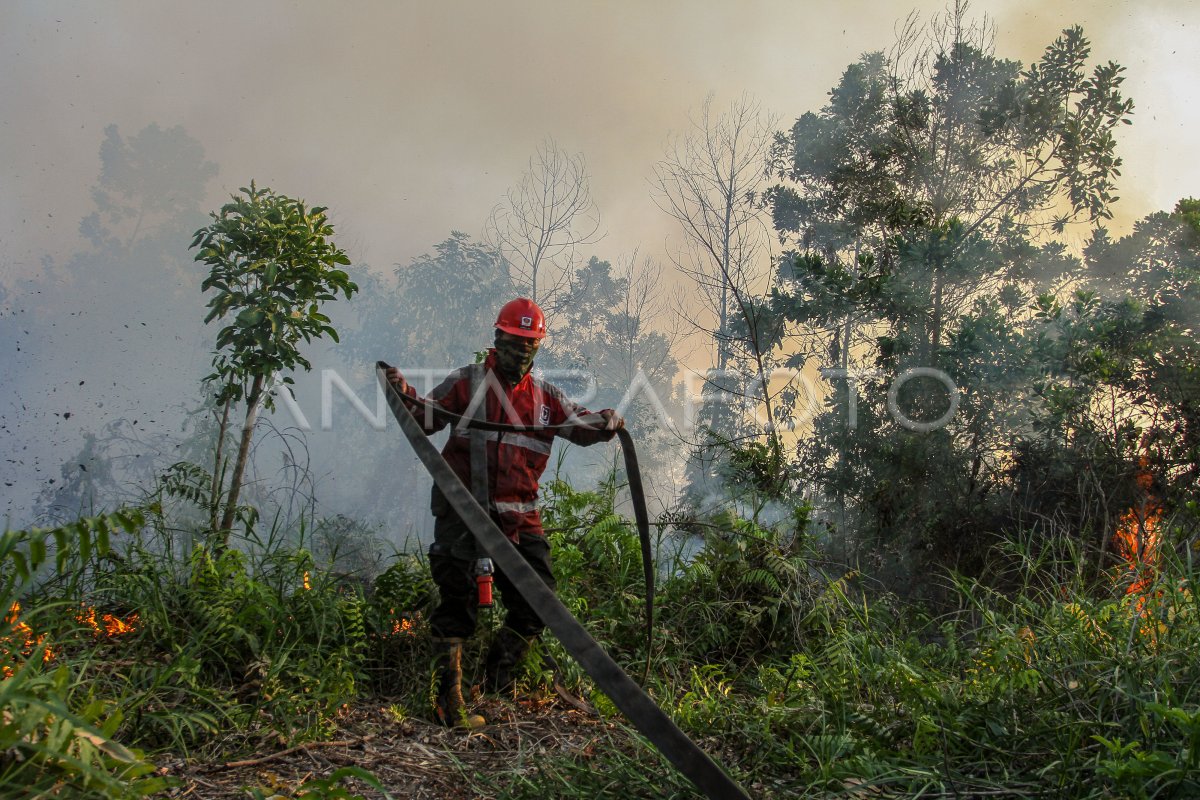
x=1116 y=424
x=607 y=326
x=1153 y=278
x=146 y=181
x=922 y=203
x=272 y=264
x=610 y=327
x=440 y=310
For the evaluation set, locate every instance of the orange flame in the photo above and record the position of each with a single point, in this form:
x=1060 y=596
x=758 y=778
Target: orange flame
x=22 y=637
x=108 y=624
x=25 y=640
x=401 y=626
x=1138 y=537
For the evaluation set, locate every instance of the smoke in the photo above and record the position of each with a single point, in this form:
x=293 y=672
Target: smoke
x=409 y=120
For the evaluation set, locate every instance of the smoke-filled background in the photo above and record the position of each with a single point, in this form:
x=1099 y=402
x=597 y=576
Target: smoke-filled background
x=124 y=124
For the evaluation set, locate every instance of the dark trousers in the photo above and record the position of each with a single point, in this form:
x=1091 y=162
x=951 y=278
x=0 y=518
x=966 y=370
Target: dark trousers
x=452 y=563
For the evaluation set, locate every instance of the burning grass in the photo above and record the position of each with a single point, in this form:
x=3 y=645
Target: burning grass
x=1139 y=542
x=108 y=624
x=1138 y=539
x=20 y=638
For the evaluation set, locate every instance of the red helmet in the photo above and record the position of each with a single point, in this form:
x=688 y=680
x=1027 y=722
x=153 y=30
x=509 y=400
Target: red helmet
x=522 y=317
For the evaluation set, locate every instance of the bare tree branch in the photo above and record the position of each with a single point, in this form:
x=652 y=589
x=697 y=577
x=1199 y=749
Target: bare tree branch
x=543 y=221
x=711 y=182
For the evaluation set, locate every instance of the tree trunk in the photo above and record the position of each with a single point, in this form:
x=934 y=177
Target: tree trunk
x=935 y=334
x=239 y=468
x=214 y=496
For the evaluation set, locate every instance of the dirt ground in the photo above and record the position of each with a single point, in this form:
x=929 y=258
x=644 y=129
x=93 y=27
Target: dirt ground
x=412 y=758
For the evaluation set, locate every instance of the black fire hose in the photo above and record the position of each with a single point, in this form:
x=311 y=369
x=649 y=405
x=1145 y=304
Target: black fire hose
x=624 y=692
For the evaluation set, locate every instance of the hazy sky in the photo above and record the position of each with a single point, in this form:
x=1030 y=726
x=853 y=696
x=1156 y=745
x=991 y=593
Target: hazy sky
x=411 y=119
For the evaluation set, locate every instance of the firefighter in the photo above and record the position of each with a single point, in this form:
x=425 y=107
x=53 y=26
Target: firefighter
x=502 y=469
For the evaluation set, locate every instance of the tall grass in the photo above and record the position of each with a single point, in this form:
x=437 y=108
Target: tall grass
x=1034 y=683
x=56 y=735
x=808 y=685
x=252 y=646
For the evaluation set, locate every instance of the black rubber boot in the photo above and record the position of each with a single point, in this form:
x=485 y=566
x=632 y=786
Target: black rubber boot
x=506 y=652
x=451 y=709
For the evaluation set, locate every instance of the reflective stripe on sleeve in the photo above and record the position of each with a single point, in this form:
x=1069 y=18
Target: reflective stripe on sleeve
x=516 y=439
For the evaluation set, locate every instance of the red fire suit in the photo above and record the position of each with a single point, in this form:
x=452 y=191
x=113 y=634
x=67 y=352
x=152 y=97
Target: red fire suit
x=503 y=476
x=515 y=461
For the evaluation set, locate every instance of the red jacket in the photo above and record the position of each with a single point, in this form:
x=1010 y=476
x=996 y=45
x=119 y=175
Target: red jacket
x=515 y=461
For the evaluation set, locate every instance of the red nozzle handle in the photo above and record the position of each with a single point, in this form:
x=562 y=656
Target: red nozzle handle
x=484 y=584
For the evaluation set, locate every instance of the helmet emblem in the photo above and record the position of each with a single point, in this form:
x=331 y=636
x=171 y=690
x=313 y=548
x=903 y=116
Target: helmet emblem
x=526 y=322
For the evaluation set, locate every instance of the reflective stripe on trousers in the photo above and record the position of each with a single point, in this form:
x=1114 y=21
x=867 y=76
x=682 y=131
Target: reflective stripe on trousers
x=516 y=508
